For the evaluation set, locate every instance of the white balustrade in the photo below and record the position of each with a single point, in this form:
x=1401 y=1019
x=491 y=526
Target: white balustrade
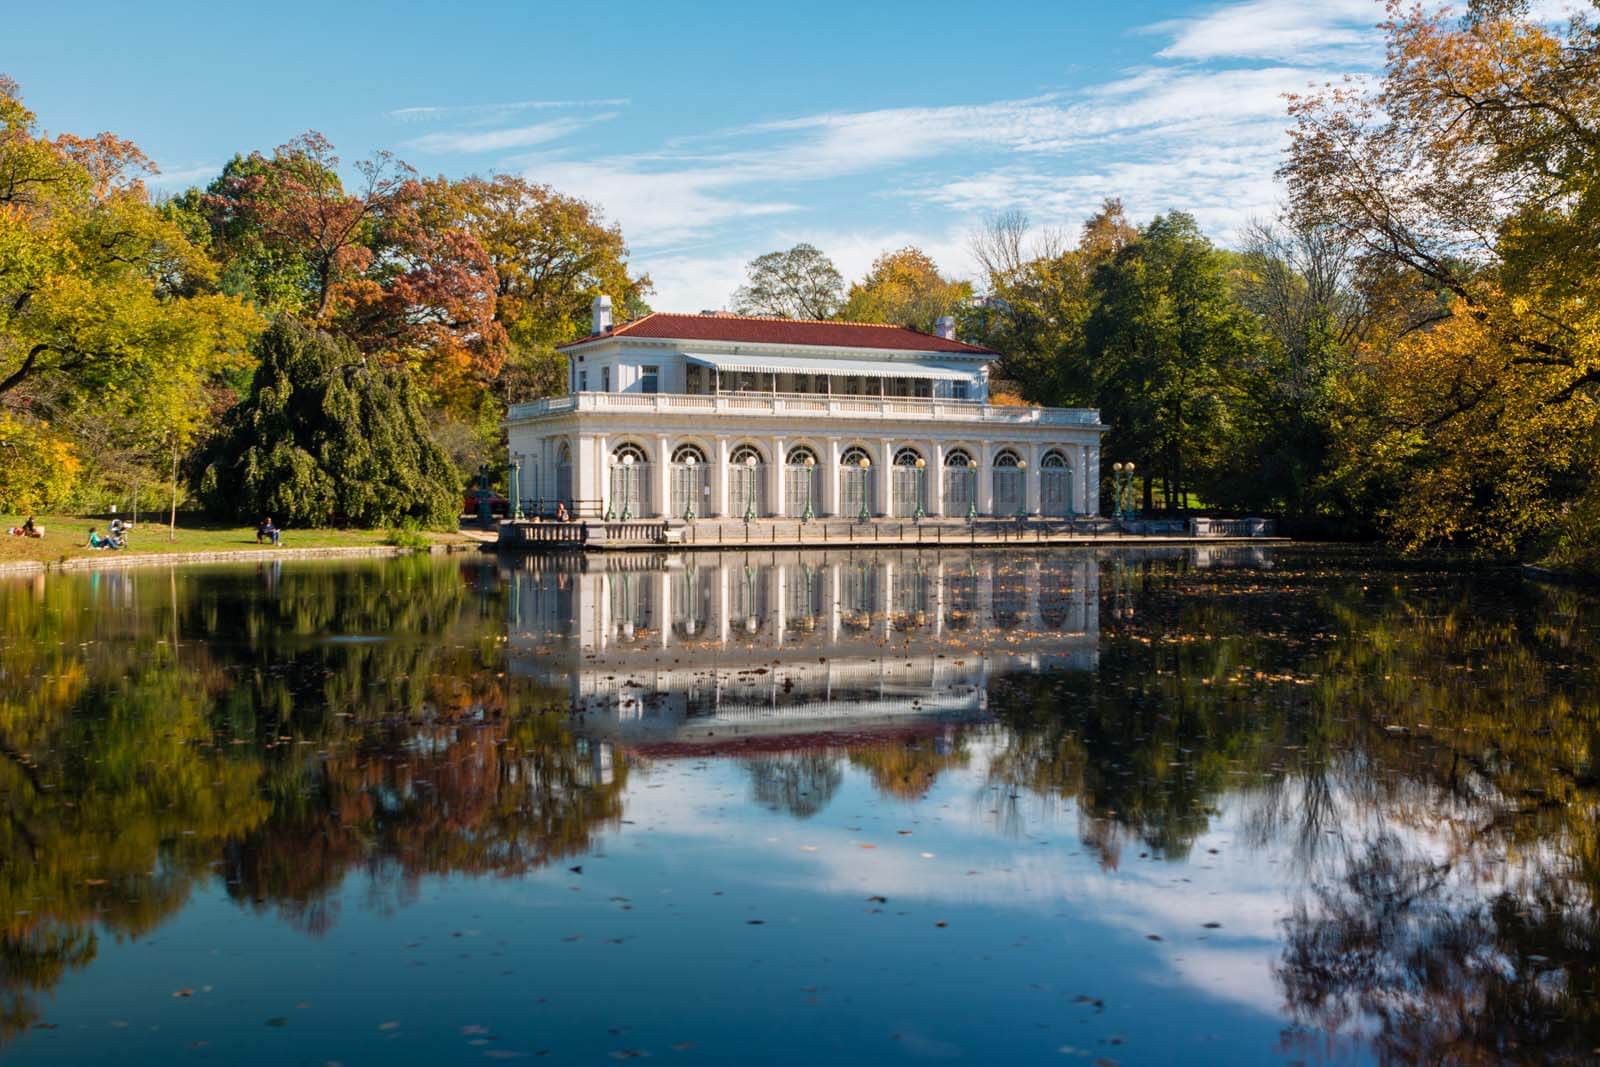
x=808 y=405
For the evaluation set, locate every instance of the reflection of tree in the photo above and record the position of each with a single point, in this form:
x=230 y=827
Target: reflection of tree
x=135 y=762
x=1446 y=975
x=907 y=768
x=502 y=796
x=116 y=798
x=799 y=783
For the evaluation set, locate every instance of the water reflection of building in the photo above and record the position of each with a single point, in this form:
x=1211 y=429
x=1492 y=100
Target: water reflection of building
x=687 y=646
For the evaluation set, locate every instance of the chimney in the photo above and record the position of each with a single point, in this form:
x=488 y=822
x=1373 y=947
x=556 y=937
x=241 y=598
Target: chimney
x=602 y=314
x=945 y=327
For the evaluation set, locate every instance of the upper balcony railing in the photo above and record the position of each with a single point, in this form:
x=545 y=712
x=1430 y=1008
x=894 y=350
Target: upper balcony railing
x=806 y=406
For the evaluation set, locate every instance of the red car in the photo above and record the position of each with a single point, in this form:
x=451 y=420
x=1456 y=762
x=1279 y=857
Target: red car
x=498 y=505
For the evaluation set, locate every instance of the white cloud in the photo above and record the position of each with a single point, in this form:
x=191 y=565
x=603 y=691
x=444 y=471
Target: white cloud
x=1201 y=127
x=174 y=177
x=1275 y=29
x=422 y=114
x=499 y=140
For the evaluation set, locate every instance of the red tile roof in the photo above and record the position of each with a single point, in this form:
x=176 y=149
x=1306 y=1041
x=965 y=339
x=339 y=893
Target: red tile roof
x=769 y=331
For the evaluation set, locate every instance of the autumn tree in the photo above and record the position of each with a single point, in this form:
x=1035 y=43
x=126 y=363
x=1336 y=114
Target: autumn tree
x=552 y=254
x=1467 y=183
x=905 y=288
x=371 y=262
x=801 y=283
x=107 y=310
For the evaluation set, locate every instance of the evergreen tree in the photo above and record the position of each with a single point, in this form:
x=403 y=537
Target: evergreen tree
x=324 y=438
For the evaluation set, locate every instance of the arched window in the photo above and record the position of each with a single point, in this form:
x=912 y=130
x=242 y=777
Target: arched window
x=630 y=482
x=747 y=487
x=803 y=486
x=1009 y=489
x=690 y=477
x=957 y=457
x=856 y=496
x=623 y=452
x=566 y=453
x=1055 y=484
x=909 y=484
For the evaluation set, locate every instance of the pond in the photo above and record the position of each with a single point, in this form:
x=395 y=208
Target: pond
x=1211 y=805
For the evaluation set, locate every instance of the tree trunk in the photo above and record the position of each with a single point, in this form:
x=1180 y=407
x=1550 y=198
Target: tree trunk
x=172 y=518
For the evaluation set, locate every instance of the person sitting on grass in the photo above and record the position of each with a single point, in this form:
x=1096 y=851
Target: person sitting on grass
x=96 y=541
x=30 y=530
x=267 y=530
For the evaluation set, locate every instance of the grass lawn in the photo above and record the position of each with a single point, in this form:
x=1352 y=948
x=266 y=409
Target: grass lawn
x=67 y=536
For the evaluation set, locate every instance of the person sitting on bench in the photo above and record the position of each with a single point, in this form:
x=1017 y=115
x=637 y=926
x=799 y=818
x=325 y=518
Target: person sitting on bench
x=268 y=531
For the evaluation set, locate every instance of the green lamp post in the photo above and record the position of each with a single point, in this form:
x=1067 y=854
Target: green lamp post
x=1022 y=500
x=922 y=488
x=750 y=491
x=865 y=464
x=627 y=487
x=688 y=511
x=516 y=488
x=807 y=514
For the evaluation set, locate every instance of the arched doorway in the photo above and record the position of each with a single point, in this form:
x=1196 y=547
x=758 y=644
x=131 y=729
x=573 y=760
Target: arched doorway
x=960 y=483
x=802 y=483
x=1055 y=485
x=747 y=486
x=855 y=482
x=1009 y=491
x=689 y=474
x=630 y=482
x=910 y=483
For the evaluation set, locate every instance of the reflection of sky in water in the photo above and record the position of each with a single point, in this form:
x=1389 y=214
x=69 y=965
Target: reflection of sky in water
x=811 y=808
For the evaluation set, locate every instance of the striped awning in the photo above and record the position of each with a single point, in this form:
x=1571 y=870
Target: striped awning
x=838 y=368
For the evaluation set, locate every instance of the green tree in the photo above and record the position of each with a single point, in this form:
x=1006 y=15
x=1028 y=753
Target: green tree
x=801 y=283
x=1037 y=298
x=325 y=438
x=1163 y=337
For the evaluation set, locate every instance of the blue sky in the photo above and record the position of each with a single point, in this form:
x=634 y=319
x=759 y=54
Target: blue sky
x=714 y=132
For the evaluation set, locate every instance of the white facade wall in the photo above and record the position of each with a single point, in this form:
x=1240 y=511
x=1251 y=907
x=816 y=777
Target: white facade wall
x=591 y=427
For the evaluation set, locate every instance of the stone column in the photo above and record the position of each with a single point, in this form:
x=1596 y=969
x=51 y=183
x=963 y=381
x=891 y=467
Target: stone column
x=985 y=486
x=935 y=478
x=830 y=477
x=1032 y=483
x=885 y=479
x=663 y=486
x=775 y=479
x=1091 y=480
x=719 y=480
x=597 y=484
